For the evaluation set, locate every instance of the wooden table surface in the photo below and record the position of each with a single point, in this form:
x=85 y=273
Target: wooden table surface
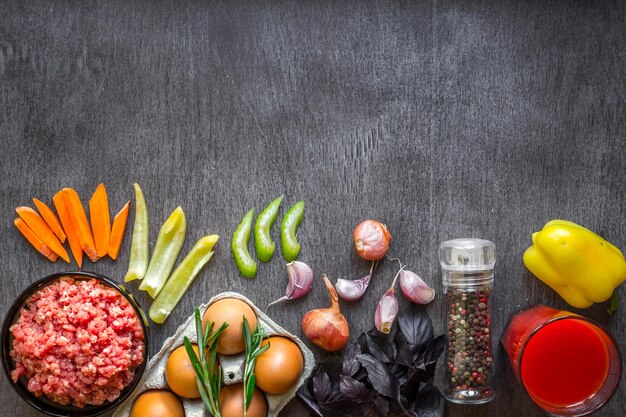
x=443 y=119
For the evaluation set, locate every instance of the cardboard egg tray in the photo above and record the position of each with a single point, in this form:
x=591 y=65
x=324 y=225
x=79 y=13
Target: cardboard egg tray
x=232 y=366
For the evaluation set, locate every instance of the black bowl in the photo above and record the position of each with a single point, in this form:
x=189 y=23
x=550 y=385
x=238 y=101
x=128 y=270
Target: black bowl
x=42 y=403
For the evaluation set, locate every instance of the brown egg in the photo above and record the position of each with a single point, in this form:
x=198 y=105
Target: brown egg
x=231 y=311
x=180 y=374
x=280 y=367
x=157 y=403
x=231 y=402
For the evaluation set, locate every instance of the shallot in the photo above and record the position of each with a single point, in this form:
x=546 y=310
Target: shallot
x=371 y=240
x=327 y=327
x=300 y=278
x=352 y=290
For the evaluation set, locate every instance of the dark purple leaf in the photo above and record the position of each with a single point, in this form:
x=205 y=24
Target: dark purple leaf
x=428 y=402
x=434 y=349
x=405 y=353
x=305 y=397
x=381 y=405
x=341 y=408
x=350 y=365
x=380 y=347
x=415 y=326
x=353 y=389
x=322 y=388
x=384 y=382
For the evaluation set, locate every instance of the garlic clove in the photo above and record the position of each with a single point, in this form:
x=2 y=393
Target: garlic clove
x=352 y=290
x=386 y=311
x=414 y=288
x=300 y=277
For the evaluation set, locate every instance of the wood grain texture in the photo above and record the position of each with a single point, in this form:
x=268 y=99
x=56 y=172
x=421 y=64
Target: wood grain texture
x=443 y=119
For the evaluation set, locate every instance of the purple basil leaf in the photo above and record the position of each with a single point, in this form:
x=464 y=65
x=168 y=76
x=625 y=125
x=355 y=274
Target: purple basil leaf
x=305 y=397
x=350 y=365
x=381 y=405
x=384 y=382
x=428 y=402
x=322 y=388
x=341 y=408
x=362 y=342
x=353 y=389
x=380 y=347
x=415 y=326
x=434 y=349
x=405 y=353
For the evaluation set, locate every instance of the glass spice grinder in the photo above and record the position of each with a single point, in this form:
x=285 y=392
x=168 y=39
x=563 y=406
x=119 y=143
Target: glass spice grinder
x=467 y=273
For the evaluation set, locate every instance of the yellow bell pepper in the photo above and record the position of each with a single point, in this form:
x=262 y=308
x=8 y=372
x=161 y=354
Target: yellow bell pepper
x=575 y=262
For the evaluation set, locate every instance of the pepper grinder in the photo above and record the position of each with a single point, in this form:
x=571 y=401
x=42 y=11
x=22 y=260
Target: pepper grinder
x=467 y=273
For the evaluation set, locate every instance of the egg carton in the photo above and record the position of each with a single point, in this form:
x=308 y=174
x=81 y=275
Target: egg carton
x=232 y=365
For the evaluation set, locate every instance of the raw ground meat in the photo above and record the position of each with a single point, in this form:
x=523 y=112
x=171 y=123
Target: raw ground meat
x=77 y=342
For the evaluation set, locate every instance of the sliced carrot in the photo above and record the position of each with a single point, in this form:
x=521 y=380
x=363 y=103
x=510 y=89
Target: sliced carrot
x=81 y=225
x=68 y=226
x=34 y=240
x=34 y=221
x=117 y=231
x=50 y=218
x=100 y=220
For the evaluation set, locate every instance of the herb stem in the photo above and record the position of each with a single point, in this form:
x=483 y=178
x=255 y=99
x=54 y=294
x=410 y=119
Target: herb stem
x=253 y=342
x=208 y=379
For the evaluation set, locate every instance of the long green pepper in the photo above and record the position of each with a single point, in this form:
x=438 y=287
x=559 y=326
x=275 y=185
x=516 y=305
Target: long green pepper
x=263 y=243
x=138 y=263
x=288 y=229
x=182 y=277
x=166 y=250
x=239 y=246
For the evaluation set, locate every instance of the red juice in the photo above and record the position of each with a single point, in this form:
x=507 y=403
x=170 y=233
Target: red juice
x=568 y=365
x=564 y=363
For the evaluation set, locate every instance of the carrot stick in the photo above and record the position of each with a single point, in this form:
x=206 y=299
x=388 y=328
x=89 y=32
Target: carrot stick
x=34 y=240
x=66 y=221
x=117 y=231
x=80 y=223
x=100 y=220
x=34 y=221
x=50 y=218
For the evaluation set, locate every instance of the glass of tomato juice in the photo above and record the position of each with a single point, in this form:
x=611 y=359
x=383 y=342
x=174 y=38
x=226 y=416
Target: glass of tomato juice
x=568 y=364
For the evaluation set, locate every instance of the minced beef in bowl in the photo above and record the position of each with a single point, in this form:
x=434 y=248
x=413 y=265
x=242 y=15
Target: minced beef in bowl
x=78 y=342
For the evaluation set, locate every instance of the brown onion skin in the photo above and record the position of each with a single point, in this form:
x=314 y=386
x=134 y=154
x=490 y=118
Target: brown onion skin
x=371 y=240
x=327 y=327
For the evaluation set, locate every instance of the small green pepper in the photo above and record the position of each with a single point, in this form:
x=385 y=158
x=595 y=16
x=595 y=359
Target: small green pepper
x=262 y=240
x=166 y=250
x=288 y=228
x=138 y=263
x=239 y=246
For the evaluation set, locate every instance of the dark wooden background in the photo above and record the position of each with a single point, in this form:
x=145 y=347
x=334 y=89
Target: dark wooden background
x=443 y=119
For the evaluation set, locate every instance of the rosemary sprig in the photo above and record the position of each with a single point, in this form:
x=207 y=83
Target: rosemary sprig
x=209 y=382
x=253 y=341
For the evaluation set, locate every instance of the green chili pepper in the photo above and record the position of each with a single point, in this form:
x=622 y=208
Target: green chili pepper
x=288 y=229
x=239 y=246
x=181 y=278
x=138 y=263
x=262 y=240
x=166 y=249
